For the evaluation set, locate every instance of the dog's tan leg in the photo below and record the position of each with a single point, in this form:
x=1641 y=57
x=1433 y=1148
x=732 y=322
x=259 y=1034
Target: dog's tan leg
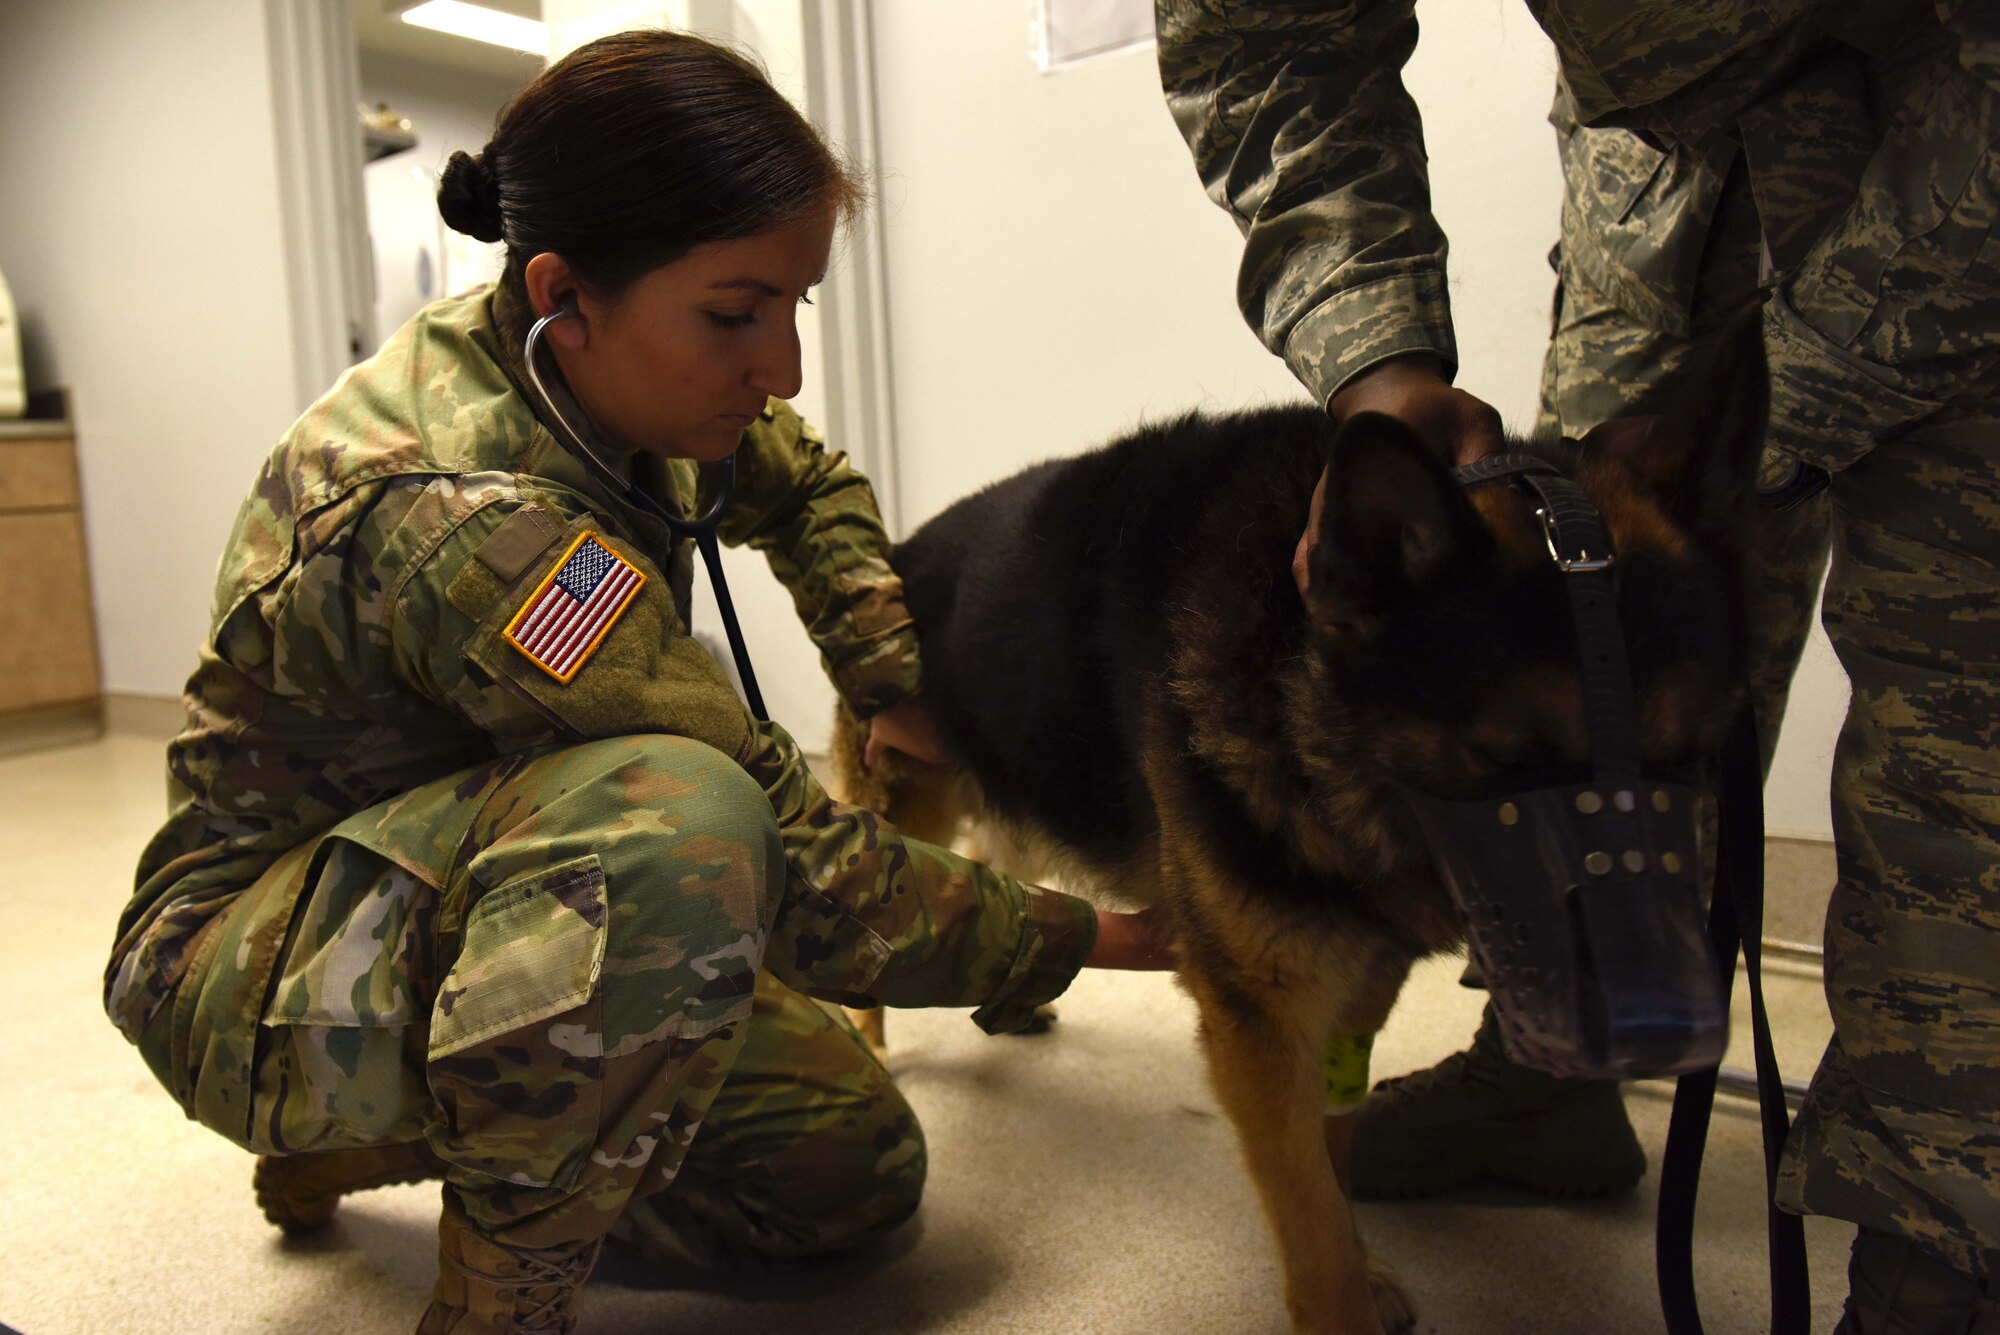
x=1268 y=1080
x=869 y=1023
x=1392 y=1303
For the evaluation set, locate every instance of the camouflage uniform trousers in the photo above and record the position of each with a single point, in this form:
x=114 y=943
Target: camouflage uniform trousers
x=1882 y=338
x=570 y=1020
x=808 y=1148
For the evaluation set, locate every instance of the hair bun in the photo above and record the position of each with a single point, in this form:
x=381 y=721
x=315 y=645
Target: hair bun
x=469 y=197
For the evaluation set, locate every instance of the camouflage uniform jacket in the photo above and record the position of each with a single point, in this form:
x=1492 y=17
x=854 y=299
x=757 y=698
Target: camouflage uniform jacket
x=358 y=647
x=1300 y=127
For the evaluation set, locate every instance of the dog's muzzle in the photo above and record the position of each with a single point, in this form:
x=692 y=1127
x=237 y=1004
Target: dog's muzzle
x=1582 y=904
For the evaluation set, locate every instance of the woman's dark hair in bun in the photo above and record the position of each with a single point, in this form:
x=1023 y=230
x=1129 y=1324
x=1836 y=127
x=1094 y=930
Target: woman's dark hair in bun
x=469 y=198
x=634 y=149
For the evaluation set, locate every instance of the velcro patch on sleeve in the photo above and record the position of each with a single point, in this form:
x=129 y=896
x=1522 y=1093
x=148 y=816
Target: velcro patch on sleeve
x=571 y=611
x=519 y=542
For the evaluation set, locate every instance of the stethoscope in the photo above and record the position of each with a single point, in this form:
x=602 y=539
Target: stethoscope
x=701 y=529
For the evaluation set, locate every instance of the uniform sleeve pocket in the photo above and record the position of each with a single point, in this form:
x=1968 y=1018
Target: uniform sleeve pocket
x=533 y=949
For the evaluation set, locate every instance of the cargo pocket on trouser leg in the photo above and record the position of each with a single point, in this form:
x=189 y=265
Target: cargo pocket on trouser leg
x=516 y=1054
x=1890 y=314
x=335 y=1069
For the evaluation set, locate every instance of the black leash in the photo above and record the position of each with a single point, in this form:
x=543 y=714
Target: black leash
x=1735 y=921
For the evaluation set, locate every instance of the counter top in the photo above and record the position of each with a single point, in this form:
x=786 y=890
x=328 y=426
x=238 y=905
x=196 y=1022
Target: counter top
x=35 y=428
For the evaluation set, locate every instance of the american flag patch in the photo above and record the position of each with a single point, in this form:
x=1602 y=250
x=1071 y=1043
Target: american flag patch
x=575 y=607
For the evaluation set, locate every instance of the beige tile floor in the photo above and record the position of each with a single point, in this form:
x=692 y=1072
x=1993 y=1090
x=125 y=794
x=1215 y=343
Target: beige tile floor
x=1080 y=1182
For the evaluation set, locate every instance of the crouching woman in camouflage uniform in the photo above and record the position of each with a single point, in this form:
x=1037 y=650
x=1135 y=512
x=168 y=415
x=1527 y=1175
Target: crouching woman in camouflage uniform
x=476 y=867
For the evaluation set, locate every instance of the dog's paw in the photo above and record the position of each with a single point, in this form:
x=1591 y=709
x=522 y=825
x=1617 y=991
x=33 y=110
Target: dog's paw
x=1392 y=1302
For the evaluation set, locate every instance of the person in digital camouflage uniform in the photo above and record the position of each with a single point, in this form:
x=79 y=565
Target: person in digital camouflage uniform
x=442 y=895
x=1836 y=160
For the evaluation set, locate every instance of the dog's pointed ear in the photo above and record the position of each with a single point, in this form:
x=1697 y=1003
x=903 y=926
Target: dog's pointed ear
x=1394 y=519
x=1696 y=437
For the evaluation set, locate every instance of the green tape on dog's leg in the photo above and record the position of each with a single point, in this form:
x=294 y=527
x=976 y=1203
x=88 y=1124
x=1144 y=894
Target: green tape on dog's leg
x=1347 y=1072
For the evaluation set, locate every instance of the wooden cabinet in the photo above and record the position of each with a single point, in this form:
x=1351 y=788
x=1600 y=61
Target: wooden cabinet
x=48 y=637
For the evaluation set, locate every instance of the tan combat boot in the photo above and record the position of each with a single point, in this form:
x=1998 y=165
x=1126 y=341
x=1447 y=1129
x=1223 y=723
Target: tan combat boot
x=487 y=1288
x=1478 y=1117
x=300 y=1192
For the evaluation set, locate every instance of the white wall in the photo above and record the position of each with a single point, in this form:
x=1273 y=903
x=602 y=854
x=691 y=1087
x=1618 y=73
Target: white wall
x=417 y=258
x=1795 y=798
x=1054 y=270
x=1056 y=273
x=141 y=237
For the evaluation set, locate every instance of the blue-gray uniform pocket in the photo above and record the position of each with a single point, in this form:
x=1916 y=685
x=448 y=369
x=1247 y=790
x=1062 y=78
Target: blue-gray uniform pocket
x=1892 y=312
x=1635 y=219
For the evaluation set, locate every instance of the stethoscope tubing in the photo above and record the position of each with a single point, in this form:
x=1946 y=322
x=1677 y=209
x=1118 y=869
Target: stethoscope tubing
x=701 y=529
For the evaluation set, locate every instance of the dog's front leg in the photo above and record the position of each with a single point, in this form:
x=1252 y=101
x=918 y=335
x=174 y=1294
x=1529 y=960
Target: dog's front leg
x=1267 y=1076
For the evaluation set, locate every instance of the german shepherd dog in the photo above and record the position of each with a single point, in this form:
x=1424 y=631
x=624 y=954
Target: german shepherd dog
x=1122 y=668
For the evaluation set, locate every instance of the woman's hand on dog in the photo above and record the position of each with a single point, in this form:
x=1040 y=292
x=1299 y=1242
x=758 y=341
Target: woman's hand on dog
x=1142 y=940
x=1413 y=389
x=906 y=727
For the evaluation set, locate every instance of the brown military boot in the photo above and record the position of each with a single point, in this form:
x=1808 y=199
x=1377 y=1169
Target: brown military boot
x=1895 y=1287
x=300 y=1192
x=487 y=1288
x=1478 y=1117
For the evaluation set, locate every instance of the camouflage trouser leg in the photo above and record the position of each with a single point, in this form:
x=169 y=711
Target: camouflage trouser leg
x=1886 y=341
x=572 y=1055
x=1885 y=347
x=1901 y=1129
x=808 y=1148
x=558 y=1010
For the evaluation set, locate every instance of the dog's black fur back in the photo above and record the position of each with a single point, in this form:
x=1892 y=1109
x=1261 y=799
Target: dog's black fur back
x=1072 y=566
